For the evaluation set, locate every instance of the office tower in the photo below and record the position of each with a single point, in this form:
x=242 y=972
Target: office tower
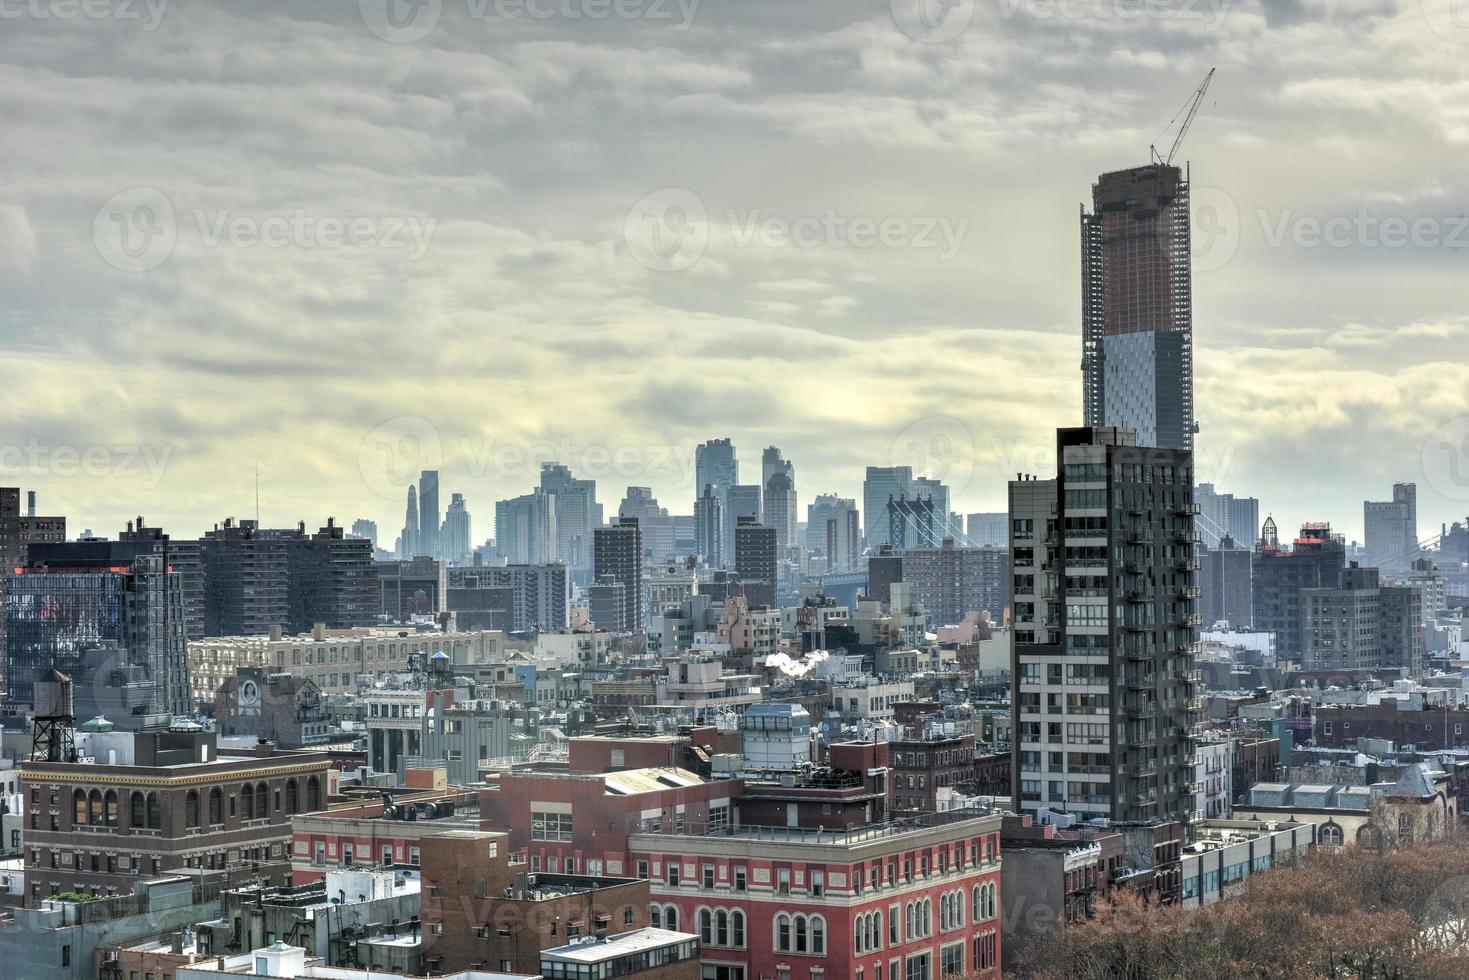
x=617 y=557
x=715 y=465
x=987 y=530
x=525 y=528
x=362 y=528
x=755 y=560
x=109 y=615
x=780 y=509
x=428 y=513
x=1105 y=622
x=454 y=534
x=654 y=522
x=938 y=492
x=1225 y=584
x=740 y=500
x=709 y=526
x=1316 y=560
x=577 y=513
x=834 y=531
x=881 y=484
x=1391 y=538
x=409 y=548
x=1137 y=306
x=914 y=523
x=951 y=581
x=18 y=531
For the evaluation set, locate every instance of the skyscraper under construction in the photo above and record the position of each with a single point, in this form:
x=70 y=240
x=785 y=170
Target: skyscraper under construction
x=1137 y=305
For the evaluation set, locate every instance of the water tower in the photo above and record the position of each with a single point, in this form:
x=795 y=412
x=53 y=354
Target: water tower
x=54 y=723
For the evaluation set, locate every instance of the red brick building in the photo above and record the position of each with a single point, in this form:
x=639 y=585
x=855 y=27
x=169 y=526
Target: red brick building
x=909 y=901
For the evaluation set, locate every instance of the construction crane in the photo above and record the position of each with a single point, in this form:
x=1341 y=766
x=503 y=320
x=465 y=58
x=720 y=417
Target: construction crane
x=1188 y=110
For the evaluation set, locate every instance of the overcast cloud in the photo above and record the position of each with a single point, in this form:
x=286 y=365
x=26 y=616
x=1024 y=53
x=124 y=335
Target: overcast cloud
x=343 y=240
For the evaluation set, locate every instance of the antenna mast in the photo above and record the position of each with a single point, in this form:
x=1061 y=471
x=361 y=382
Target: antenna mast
x=1188 y=110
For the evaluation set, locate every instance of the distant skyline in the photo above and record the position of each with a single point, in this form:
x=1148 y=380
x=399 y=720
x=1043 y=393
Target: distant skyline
x=231 y=236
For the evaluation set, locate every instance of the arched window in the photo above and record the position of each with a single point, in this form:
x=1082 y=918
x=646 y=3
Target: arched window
x=706 y=927
x=191 y=808
x=1332 y=836
x=290 y=796
x=859 y=936
x=247 y=802
x=110 y=805
x=655 y=916
x=78 y=808
x=802 y=934
x=155 y=819
x=737 y=929
x=783 y=933
x=216 y=806
x=137 y=811
x=670 y=918
x=976 y=910
x=876 y=942
x=262 y=801
x=94 y=808
x=721 y=928
x=818 y=935
x=313 y=795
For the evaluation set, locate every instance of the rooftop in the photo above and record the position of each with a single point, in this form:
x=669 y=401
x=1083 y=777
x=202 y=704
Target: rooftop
x=593 y=950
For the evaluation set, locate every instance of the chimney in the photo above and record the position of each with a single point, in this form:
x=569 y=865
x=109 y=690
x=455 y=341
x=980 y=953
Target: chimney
x=176 y=945
x=276 y=632
x=30 y=503
x=318 y=632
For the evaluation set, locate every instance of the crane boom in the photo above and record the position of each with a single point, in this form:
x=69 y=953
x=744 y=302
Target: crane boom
x=1188 y=111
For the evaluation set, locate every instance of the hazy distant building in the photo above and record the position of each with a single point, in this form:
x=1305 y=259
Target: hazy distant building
x=408 y=540
x=950 y=581
x=1391 y=536
x=780 y=509
x=716 y=465
x=834 y=531
x=617 y=558
x=1224 y=515
x=881 y=484
x=416 y=587
x=987 y=530
x=455 y=533
x=525 y=528
x=709 y=526
x=577 y=513
x=542 y=593
x=654 y=522
x=428 y=513
x=1137 y=306
x=363 y=528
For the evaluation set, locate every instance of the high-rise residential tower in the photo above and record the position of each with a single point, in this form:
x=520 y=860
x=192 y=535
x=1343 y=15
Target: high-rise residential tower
x=715 y=465
x=1391 y=528
x=881 y=484
x=454 y=534
x=834 y=530
x=1105 y=622
x=1137 y=306
x=709 y=526
x=577 y=513
x=525 y=528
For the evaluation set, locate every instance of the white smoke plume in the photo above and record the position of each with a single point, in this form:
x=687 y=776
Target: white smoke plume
x=796 y=668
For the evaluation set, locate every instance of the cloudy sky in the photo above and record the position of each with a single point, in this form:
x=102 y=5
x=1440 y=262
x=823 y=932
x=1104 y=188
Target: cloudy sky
x=341 y=241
